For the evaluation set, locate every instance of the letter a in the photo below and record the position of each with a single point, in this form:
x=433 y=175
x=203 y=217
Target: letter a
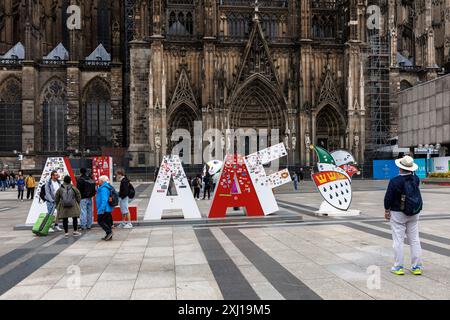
x=162 y=198
x=235 y=189
x=74 y=20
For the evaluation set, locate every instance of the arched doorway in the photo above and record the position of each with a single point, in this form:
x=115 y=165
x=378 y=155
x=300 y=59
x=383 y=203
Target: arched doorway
x=330 y=129
x=96 y=125
x=54 y=109
x=11 y=115
x=257 y=106
x=183 y=116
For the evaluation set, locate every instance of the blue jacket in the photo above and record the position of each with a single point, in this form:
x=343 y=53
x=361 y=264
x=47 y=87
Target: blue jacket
x=102 y=199
x=21 y=184
x=392 y=199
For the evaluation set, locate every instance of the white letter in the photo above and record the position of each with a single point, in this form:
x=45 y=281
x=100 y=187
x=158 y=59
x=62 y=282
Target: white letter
x=374 y=279
x=373 y=21
x=183 y=145
x=74 y=20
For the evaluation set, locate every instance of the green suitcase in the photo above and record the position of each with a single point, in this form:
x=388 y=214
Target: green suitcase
x=43 y=224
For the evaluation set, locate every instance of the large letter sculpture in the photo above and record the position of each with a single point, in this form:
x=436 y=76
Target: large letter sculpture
x=63 y=167
x=161 y=199
x=235 y=189
x=334 y=182
x=244 y=183
x=265 y=184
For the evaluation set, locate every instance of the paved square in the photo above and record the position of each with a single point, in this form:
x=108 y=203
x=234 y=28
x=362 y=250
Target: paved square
x=291 y=255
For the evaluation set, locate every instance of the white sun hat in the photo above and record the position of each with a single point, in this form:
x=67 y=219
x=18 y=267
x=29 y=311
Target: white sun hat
x=407 y=163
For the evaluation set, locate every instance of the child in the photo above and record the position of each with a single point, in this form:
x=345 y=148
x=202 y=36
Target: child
x=20 y=188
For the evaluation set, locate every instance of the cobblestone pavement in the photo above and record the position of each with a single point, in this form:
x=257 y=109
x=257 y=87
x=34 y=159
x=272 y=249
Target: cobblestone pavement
x=291 y=255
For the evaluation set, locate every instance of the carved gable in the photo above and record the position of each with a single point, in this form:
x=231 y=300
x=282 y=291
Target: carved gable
x=183 y=92
x=328 y=92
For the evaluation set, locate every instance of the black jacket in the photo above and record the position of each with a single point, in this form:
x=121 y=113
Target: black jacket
x=392 y=199
x=124 y=188
x=81 y=186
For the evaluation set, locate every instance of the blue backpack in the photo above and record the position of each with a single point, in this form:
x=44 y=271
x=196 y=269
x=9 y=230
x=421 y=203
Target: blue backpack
x=411 y=199
x=113 y=199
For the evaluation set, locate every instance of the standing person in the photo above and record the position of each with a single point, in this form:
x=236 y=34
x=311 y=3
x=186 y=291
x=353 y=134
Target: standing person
x=13 y=179
x=124 y=199
x=295 y=180
x=3 y=180
x=51 y=187
x=8 y=180
x=301 y=175
x=402 y=204
x=196 y=184
x=87 y=187
x=20 y=188
x=30 y=183
x=207 y=181
x=67 y=201
x=103 y=208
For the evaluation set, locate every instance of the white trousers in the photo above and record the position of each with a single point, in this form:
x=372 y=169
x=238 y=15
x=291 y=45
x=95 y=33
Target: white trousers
x=402 y=225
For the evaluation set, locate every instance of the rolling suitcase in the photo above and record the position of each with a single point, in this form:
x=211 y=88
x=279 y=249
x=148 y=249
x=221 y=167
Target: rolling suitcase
x=43 y=224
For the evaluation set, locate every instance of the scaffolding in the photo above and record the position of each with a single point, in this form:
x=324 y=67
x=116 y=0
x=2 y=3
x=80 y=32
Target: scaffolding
x=378 y=95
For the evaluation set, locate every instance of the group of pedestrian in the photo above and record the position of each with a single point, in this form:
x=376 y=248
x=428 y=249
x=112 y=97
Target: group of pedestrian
x=206 y=183
x=77 y=202
x=9 y=180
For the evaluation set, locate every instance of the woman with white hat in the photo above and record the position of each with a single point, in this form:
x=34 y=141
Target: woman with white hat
x=402 y=204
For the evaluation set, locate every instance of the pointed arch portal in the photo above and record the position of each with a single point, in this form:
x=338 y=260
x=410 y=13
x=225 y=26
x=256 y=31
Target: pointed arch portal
x=331 y=128
x=257 y=105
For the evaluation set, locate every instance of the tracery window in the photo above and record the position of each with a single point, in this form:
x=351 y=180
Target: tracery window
x=11 y=115
x=97 y=116
x=180 y=22
x=54 y=108
x=104 y=24
x=323 y=26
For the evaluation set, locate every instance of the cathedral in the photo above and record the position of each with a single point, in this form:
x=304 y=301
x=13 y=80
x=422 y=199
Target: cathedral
x=137 y=70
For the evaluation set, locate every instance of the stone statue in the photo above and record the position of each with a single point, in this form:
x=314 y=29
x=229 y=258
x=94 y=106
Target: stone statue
x=222 y=142
x=356 y=140
x=294 y=142
x=286 y=142
x=307 y=140
x=158 y=140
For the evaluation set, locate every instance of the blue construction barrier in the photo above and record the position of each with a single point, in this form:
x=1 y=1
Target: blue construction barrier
x=386 y=169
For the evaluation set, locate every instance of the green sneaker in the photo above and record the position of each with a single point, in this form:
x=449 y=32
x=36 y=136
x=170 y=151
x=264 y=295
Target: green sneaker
x=416 y=270
x=398 y=270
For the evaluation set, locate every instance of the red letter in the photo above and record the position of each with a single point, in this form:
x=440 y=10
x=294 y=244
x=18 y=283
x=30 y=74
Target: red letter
x=235 y=189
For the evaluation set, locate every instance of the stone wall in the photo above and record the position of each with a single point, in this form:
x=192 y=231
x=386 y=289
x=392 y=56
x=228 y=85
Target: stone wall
x=424 y=113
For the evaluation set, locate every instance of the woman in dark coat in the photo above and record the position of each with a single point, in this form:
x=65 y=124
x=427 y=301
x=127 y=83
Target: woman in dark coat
x=71 y=210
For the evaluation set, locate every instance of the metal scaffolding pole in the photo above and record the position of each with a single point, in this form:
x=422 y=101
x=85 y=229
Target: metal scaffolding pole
x=378 y=95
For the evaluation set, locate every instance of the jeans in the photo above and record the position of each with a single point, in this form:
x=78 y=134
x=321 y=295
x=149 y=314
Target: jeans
x=66 y=224
x=105 y=221
x=20 y=194
x=402 y=225
x=123 y=204
x=3 y=185
x=86 y=213
x=50 y=207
